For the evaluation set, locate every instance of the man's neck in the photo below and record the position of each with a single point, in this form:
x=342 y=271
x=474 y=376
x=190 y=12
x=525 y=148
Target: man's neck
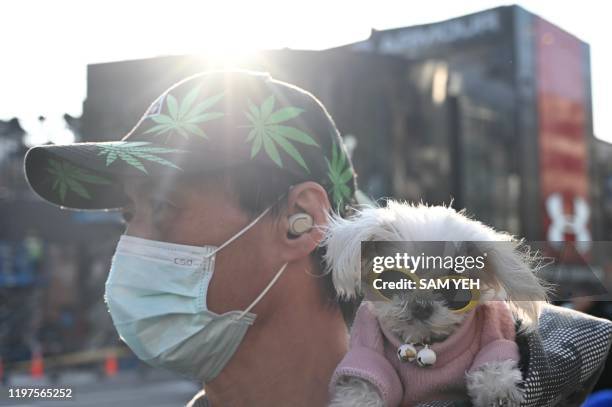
x=287 y=359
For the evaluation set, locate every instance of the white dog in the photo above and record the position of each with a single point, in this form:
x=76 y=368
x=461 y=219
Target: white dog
x=444 y=353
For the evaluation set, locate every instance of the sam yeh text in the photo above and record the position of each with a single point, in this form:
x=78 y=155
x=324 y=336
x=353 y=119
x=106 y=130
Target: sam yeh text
x=428 y=284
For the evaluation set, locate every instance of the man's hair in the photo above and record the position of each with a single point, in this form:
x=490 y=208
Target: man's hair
x=258 y=187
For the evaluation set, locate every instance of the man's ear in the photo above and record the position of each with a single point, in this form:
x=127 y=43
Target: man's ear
x=309 y=198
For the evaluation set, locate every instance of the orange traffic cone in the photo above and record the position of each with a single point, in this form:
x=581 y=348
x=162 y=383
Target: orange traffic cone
x=111 y=367
x=37 y=366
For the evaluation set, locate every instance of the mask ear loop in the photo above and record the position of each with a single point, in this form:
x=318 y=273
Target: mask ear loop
x=265 y=290
x=244 y=229
x=236 y=236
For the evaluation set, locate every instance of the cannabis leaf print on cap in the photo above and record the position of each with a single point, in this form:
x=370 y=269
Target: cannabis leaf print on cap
x=184 y=118
x=68 y=177
x=133 y=151
x=339 y=173
x=266 y=131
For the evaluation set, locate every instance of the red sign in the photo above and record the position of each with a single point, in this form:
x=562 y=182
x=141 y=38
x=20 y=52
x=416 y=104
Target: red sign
x=563 y=139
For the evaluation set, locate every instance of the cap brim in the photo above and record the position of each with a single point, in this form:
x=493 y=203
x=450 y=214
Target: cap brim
x=90 y=176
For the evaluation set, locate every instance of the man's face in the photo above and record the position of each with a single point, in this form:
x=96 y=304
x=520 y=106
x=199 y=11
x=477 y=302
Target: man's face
x=200 y=212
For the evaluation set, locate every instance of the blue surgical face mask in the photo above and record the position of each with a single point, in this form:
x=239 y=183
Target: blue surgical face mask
x=156 y=293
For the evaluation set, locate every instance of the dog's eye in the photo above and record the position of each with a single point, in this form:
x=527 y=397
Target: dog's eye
x=456 y=305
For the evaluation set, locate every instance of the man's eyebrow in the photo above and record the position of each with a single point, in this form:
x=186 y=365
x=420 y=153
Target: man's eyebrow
x=145 y=187
x=130 y=189
x=168 y=191
x=153 y=188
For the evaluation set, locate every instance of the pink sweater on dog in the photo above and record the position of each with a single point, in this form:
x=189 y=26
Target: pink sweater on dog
x=486 y=335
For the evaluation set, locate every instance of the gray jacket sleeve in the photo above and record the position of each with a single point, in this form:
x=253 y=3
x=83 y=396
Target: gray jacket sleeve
x=561 y=360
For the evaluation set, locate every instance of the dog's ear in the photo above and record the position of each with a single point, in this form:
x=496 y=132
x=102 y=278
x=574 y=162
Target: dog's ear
x=511 y=267
x=342 y=242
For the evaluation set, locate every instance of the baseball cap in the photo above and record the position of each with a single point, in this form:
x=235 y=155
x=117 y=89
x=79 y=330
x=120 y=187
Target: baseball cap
x=205 y=122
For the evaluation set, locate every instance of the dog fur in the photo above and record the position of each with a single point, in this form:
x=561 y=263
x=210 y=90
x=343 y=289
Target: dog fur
x=510 y=278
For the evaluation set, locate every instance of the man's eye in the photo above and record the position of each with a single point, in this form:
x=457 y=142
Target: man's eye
x=159 y=205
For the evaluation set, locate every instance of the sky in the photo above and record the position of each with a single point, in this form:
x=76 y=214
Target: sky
x=46 y=45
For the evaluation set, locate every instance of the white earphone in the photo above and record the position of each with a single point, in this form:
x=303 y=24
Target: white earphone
x=300 y=223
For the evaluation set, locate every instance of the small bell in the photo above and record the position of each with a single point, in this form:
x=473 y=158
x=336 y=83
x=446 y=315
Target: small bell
x=406 y=352
x=426 y=357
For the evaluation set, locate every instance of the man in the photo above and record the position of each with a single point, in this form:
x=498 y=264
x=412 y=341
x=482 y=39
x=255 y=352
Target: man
x=225 y=184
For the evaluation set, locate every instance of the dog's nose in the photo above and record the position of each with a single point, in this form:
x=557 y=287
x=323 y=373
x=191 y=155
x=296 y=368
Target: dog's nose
x=422 y=311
